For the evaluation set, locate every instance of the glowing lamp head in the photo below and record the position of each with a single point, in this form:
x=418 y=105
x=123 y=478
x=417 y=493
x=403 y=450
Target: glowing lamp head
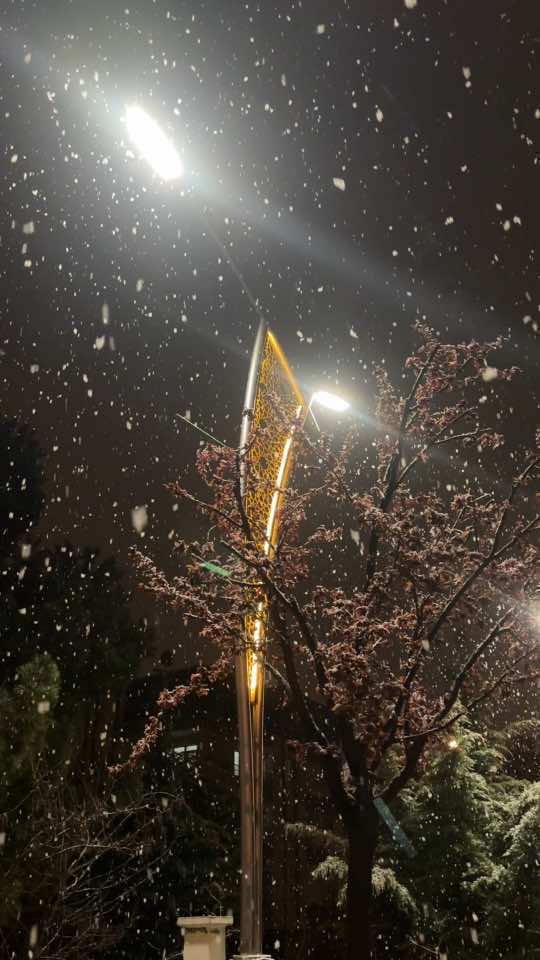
x=453 y=744
x=330 y=401
x=149 y=139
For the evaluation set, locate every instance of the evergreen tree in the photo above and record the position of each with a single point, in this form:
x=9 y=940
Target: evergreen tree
x=512 y=890
x=452 y=817
x=520 y=743
x=474 y=881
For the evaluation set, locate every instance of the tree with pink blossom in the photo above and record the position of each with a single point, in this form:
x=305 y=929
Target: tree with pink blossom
x=401 y=593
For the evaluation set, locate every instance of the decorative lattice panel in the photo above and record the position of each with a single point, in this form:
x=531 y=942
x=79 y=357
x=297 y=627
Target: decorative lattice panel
x=278 y=405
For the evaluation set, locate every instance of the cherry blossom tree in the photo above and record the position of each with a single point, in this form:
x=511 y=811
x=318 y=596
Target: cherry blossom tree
x=401 y=593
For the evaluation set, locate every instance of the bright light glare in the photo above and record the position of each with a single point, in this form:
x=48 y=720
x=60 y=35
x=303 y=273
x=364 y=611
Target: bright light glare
x=153 y=145
x=330 y=401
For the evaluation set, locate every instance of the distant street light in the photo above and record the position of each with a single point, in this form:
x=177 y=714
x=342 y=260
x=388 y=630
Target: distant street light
x=149 y=139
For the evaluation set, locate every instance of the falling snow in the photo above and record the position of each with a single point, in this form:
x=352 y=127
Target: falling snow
x=350 y=181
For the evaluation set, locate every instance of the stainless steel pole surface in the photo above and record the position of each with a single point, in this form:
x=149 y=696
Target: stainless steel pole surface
x=250 y=731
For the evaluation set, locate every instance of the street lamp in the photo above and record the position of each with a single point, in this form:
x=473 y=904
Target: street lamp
x=273 y=404
x=149 y=139
x=273 y=409
x=267 y=445
x=329 y=400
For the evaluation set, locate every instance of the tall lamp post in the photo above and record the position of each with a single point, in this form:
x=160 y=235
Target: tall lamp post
x=273 y=405
x=273 y=401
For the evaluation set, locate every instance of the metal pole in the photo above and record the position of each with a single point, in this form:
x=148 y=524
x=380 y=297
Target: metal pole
x=250 y=661
x=250 y=731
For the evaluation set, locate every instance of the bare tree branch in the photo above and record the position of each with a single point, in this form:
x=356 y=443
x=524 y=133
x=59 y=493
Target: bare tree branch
x=497 y=630
x=393 y=466
x=487 y=692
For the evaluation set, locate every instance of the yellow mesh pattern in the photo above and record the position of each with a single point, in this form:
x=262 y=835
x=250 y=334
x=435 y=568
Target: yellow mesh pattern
x=278 y=402
x=276 y=405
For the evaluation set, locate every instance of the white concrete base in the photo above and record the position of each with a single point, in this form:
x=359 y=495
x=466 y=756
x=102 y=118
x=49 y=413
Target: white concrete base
x=204 y=937
x=252 y=956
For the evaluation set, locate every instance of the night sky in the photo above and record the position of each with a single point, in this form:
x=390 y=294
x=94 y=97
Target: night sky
x=363 y=163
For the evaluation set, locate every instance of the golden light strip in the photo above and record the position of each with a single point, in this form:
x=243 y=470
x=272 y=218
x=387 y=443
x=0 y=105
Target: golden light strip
x=269 y=544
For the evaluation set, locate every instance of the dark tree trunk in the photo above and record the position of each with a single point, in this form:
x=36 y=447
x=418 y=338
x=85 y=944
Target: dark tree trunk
x=362 y=836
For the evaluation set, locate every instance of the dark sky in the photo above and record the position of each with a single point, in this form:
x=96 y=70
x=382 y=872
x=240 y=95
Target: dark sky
x=429 y=114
